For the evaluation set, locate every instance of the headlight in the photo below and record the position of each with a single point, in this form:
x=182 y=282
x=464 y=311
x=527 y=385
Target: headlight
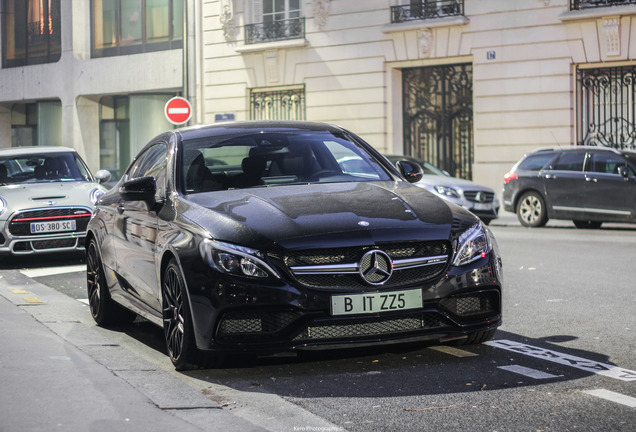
x=446 y=191
x=95 y=195
x=237 y=260
x=473 y=244
x=3 y=205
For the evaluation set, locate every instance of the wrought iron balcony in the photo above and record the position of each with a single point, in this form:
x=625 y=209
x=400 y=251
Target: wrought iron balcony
x=589 y=4
x=275 y=31
x=426 y=9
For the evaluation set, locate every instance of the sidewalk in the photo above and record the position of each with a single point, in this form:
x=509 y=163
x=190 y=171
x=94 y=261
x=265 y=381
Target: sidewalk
x=50 y=382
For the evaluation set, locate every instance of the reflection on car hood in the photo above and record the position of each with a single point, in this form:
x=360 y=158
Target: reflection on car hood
x=435 y=180
x=311 y=215
x=59 y=194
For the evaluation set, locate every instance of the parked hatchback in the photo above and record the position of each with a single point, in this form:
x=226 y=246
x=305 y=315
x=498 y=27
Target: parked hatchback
x=47 y=195
x=589 y=185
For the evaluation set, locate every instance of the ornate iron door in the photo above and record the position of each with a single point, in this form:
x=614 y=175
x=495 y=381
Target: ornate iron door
x=438 y=116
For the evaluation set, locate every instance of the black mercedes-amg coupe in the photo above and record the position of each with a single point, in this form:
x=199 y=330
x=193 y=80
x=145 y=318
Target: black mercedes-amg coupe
x=256 y=237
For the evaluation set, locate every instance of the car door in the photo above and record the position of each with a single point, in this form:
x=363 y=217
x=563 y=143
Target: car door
x=137 y=221
x=564 y=181
x=608 y=194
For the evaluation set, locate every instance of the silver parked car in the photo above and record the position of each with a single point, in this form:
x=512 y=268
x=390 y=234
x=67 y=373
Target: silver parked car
x=47 y=196
x=479 y=199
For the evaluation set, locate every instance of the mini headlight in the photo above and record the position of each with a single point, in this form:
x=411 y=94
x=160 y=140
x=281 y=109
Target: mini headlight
x=234 y=259
x=3 y=205
x=95 y=195
x=446 y=191
x=473 y=244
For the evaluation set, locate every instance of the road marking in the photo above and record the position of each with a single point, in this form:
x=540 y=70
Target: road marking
x=453 y=351
x=19 y=292
x=32 y=300
x=566 y=359
x=531 y=373
x=613 y=397
x=85 y=301
x=51 y=271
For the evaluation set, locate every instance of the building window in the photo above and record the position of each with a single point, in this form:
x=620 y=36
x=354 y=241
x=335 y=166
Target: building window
x=30 y=32
x=120 y=27
x=607 y=107
x=288 y=104
x=588 y=4
x=36 y=123
x=426 y=9
x=275 y=20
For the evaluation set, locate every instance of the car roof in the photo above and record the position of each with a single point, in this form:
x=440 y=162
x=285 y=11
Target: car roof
x=194 y=132
x=575 y=148
x=35 y=150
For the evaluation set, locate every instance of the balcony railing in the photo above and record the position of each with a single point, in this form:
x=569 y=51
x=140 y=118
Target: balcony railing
x=589 y=4
x=426 y=9
x=275 y=31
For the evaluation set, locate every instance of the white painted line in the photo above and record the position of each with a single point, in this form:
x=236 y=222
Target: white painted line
x=613 y=397
x=453 y=351
x=178 y=110
x=531 y=373
x=85 y=301
x=51 y=271
x=566 y=359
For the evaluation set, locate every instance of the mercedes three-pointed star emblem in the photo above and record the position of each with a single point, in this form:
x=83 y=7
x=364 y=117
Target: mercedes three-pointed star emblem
x=376 y=267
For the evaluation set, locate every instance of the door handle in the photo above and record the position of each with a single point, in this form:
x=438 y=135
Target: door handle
x=591 y=179
x=121 y=208
x=549 y=176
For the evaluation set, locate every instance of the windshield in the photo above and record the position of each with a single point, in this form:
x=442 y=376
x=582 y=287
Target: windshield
x=275 y=158
x=52 y=167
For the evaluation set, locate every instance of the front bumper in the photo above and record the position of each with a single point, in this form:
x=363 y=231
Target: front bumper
x=236 y=317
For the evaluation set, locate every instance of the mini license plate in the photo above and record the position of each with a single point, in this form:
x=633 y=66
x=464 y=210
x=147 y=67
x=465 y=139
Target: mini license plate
x=482 y=206
x=55 y=226
x=376 y=302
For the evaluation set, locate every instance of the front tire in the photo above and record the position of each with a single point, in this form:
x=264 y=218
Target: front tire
x=531 y=210
x=177 y=321
x=103 y=309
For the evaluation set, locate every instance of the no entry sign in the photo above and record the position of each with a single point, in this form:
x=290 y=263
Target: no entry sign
x=178 y=110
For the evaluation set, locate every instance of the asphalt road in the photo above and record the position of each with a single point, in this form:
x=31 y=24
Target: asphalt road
x=563 y=360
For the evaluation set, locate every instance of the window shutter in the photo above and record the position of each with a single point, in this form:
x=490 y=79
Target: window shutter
x=257 y=11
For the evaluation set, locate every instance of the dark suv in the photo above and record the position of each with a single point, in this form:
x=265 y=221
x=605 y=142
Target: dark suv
x=589 y=185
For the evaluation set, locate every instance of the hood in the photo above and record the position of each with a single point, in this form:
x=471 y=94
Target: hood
x=304 y=216
x=435 y=180
x=57 y=194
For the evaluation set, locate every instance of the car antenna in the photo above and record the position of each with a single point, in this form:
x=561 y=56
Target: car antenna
x=555 y=140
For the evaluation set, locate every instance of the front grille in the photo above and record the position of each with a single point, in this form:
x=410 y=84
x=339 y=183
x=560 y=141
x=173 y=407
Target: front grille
x=20 y=224
x=352 y=280
x=370 y=327
x=473 y=304
x=479 y=196
x=54 y=243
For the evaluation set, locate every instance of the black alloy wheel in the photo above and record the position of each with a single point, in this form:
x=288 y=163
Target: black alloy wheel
x=103 y=309
x=177 y=321
x=531 y=210
x=583 y=224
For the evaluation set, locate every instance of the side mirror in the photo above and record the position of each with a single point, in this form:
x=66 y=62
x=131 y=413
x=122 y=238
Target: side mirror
x=139 y=189
x=102 y=176
x=411 y=171
x=623 y=171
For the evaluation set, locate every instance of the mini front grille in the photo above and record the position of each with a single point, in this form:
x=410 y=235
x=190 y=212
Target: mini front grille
x=54 y=243
x=20 y=224
x=479 y=196
x=246 y=324
x=370 y=327
x=469 y=305
x=336 y=268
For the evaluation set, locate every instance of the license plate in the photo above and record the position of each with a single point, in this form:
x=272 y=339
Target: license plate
x=376 y=302
x=482 y=206
x=56 y=226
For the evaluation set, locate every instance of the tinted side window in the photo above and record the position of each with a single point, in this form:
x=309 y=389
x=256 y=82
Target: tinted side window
x=605 y=163
x=570 y=161
x=535 y=162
